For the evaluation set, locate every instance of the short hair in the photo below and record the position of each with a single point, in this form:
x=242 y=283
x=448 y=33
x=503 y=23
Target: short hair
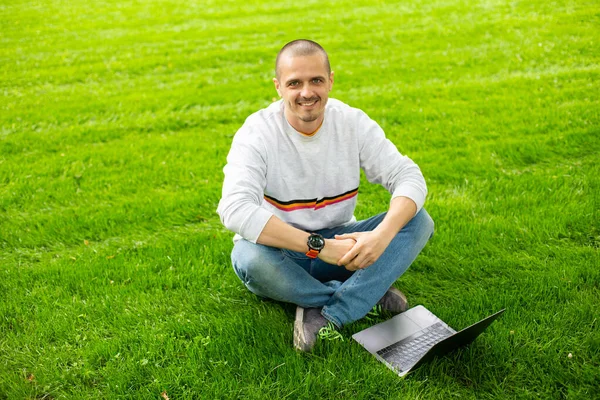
x=302 y=47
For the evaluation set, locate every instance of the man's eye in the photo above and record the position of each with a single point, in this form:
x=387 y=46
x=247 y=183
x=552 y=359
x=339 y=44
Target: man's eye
x=293 y=83
x=317 y=80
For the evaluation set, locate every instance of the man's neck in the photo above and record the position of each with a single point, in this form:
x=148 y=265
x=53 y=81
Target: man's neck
x=306 y=128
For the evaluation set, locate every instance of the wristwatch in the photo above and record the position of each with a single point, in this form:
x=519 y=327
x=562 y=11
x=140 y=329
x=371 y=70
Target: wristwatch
x=315 y=245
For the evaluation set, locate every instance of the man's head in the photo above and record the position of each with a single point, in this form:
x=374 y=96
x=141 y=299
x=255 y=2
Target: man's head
x=302 y=47
x=304 y=80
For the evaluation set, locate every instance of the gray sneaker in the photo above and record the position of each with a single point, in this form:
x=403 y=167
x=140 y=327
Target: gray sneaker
x=309 y=322
x=393 y=301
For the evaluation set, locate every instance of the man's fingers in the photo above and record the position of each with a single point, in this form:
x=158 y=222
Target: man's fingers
x=357 y=263
x=347 y=259
x=352 y=235
x=349 y=256
x=351 y=267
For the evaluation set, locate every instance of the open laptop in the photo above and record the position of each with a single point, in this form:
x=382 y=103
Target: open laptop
x=416 y=336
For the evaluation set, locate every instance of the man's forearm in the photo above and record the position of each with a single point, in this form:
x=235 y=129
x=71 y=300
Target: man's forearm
x=401 y=211
x=277 y=233
x=370 y=245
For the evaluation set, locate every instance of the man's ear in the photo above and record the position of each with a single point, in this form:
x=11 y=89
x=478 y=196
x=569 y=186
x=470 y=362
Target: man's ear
x=331 y=80
x=276 y=83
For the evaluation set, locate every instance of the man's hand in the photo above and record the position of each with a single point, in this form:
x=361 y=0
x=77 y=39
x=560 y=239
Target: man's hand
x=368 y=247
x=352 y=250
x=335 y=249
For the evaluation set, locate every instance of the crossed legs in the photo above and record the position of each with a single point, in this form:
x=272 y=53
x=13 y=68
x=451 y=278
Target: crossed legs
x=344 y=296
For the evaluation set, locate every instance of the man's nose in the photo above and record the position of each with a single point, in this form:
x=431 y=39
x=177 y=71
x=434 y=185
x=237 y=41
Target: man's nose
x=306 y=92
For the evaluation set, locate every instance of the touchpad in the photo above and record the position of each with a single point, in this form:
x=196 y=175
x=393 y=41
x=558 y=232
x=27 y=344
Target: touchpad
x=397 y=328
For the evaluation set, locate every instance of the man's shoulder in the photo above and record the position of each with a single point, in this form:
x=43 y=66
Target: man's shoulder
x=340 y=108
x=267 y=115
x=351 y=119
x=337 y=105
x=260 y=124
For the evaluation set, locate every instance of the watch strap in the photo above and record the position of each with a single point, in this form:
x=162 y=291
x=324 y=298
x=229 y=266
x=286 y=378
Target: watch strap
x=312 y=253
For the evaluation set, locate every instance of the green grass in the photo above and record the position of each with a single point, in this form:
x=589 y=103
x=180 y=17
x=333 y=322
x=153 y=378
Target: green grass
x=115 y=121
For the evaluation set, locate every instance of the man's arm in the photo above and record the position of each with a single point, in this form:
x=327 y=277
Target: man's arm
x=244 y=184
x=370 y=246
x=277 y=233
x=385 y=165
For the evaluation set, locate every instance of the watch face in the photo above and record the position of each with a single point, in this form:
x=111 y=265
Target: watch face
x=316 y=242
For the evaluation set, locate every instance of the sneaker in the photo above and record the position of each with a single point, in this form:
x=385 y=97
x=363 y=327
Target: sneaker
x=393 y=301
x=309 y=322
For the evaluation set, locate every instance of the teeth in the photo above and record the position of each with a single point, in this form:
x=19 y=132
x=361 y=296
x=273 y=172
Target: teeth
x=308 y=104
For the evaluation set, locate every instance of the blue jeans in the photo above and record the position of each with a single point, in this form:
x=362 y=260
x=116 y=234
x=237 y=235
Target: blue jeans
x=345 y=296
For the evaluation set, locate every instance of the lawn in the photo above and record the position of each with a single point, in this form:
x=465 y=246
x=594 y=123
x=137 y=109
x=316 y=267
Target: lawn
x=115 y=121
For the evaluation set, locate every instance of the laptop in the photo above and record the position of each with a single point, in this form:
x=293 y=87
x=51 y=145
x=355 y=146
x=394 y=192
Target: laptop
x=416 y=336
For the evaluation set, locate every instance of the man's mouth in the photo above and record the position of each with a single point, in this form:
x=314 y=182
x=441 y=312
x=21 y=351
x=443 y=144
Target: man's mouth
x=308 y=103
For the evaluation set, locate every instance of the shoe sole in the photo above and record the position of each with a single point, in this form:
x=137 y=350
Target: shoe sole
x=299 y=339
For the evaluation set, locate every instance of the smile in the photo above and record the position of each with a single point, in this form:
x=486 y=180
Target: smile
x=307 y=103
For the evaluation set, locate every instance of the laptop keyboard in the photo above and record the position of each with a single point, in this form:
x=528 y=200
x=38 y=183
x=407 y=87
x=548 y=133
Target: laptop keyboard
x=408 y=351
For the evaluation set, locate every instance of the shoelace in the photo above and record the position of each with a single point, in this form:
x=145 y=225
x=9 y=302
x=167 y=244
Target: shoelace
x=330 y=333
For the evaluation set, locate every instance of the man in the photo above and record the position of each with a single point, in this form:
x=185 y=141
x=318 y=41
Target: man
x=289 y=194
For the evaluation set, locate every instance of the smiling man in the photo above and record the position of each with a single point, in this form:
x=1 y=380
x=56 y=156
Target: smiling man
x=290 y=190
x=304 y=82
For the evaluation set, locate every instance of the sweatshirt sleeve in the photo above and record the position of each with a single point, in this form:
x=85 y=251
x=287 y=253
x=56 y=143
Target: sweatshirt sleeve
x=385 y=165
x=243 y=187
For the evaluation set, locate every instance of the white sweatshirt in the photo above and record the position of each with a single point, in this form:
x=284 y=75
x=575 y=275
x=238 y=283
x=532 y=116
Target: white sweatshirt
x=310 y=182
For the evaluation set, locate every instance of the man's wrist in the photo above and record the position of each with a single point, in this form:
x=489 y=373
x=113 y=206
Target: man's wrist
x=385 y=234
x=325 y=249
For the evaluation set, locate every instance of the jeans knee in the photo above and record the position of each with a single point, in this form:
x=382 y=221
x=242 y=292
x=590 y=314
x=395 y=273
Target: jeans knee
x=425 y=224
x=251 y=261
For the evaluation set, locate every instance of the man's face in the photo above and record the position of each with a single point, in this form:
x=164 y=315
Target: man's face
x=304 y=85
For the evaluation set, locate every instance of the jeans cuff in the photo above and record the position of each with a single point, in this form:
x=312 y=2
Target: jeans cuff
x=330 y=318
